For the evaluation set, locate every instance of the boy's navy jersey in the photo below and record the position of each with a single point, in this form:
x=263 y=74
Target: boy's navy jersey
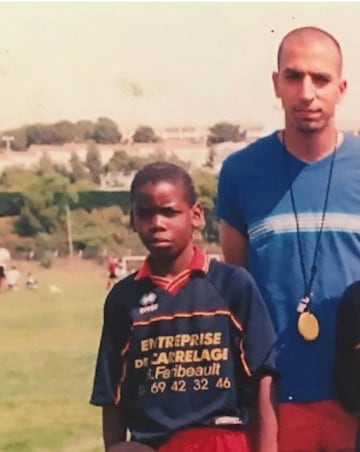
x=347 y=373
x=184 y=359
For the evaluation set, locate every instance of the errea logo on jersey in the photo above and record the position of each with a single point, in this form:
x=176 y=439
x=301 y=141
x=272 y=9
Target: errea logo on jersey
x=148 y=303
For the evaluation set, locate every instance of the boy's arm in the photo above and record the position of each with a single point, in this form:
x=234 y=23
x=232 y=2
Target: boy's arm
x=260 y=357
x=267 y=426
x=109 y=368
x=114 y=428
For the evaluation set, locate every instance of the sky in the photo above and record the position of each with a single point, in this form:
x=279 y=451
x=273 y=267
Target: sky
x=158 y=64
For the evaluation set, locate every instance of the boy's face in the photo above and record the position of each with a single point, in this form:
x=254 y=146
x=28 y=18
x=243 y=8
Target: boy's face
x=163 y=218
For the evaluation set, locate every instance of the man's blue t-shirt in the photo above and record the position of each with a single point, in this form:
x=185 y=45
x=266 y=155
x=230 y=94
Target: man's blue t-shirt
x=254 y=197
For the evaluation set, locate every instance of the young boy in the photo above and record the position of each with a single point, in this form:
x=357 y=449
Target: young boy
x=347 y=368
x=184 y=338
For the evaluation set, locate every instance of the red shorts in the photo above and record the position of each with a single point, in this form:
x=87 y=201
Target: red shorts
x=315 y=427
x=205 y=439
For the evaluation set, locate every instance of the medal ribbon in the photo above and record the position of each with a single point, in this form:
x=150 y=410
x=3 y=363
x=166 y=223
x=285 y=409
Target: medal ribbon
x=313 y=269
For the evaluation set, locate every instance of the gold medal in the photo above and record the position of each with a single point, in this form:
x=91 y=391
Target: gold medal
x=308 y=326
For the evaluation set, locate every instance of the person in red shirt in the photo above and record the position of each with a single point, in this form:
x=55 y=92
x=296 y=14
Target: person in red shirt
x=112 y=269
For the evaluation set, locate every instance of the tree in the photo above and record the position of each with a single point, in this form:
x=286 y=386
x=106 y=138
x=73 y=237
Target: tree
x=144 y=134
x=15 y=179
x=118 y=161
x=211 y=156
x=78 y=168
x=206 y=186
x=225 y=131
x=65 y=132
x=42 y=134
x=45 y=165
x=106 y=131
x=121 y=161
x=93 y=163
x=46 y=200
x=99 y=228
x=85 y=130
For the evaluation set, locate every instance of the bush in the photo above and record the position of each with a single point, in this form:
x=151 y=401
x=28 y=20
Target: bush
x=10 y=203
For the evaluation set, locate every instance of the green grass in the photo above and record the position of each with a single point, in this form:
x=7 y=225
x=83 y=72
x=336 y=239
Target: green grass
x=48 y=346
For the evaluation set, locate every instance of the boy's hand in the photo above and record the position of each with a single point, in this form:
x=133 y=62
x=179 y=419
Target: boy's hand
x=131 y=446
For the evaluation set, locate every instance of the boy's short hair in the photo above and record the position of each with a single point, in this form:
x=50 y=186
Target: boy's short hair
x=164 y=171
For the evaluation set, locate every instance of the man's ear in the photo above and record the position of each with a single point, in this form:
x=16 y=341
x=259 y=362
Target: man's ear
x=342 y=90
x=198 y=217
x=275 y=79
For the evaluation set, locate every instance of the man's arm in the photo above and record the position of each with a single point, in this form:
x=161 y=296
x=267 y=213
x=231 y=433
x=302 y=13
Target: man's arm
x=114 y=428
x=267 y=431
x=233 y=244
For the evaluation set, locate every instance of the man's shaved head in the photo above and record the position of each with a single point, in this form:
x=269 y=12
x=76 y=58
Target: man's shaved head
x=309 y=35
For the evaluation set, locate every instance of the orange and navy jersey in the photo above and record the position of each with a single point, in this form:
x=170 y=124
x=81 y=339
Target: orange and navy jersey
x=184 y=357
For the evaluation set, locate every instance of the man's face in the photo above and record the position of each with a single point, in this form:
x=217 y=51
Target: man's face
x=309 y=83
x=163 y=218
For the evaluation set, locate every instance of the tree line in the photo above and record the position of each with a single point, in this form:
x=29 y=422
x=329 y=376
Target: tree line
x=103 y=131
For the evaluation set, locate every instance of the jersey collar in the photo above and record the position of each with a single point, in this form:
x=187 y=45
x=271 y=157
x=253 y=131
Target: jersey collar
x=200 y=263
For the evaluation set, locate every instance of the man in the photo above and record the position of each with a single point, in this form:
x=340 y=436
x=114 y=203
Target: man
x=289 y=211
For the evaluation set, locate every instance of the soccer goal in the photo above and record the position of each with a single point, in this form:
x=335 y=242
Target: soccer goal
x=132 y=263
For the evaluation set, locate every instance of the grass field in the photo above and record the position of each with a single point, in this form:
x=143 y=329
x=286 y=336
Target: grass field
x=48 y=345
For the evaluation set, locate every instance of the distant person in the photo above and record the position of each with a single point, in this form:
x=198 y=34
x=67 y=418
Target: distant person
x=3 y=282
x=186 y=341
x=12 y=278
x=4 y=258
x=112 y=271
x=289 y=208
x=347 y=369
x=4 y=261
x=31 y=282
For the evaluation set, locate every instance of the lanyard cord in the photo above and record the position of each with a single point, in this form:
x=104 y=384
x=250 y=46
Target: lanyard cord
x=313 y=268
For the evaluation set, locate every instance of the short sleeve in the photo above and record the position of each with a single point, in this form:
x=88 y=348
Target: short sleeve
x=109 y=363
x=228 y=202
x=253 y=315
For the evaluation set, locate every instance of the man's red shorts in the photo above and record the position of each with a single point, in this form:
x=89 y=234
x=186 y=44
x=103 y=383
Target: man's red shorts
x=206 y=439
x=314 y=427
